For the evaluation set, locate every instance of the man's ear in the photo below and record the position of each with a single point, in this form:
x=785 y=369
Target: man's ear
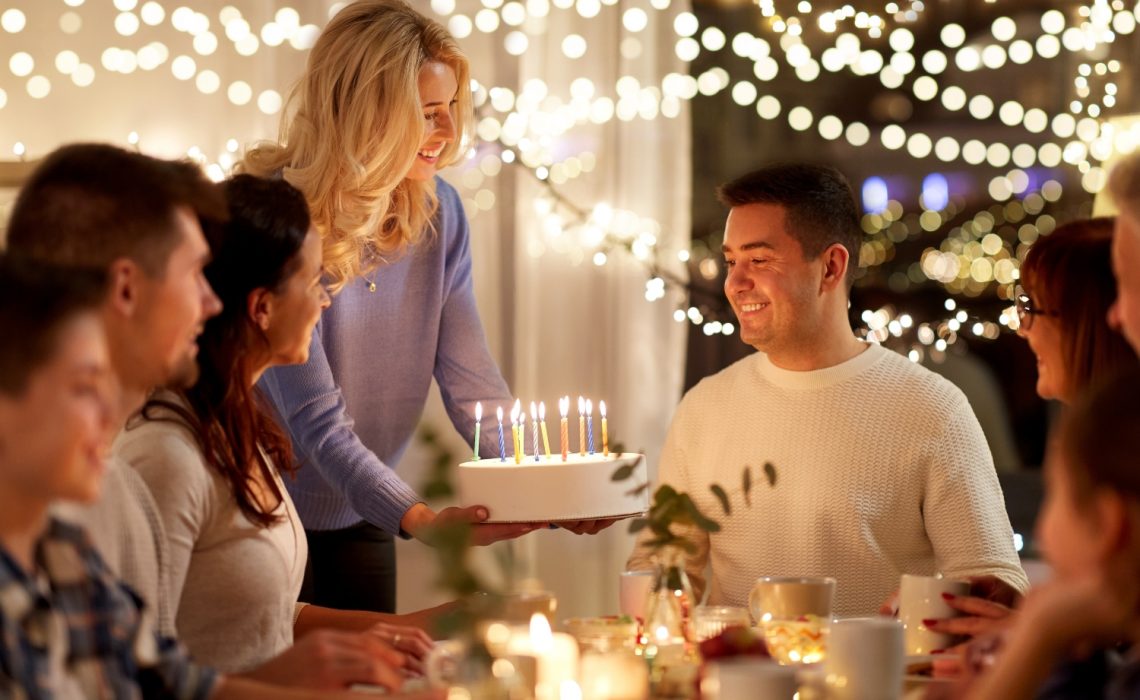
x=259 y=307
x=835 y=260
x=124 y=280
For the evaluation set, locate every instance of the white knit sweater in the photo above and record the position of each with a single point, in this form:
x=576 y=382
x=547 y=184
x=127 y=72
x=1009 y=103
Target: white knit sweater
x=882 y=469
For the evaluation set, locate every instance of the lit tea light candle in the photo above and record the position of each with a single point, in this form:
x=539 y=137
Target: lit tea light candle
x=605 y=430
x=556 y=657
x=502 y=447
x=581 y=427
x=590 y=424
x=534 y=427
x=478 y=421
x=564 y=408
x=542 y=422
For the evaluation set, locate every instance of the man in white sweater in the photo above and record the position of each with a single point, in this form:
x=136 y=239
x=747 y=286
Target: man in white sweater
x=881 y=467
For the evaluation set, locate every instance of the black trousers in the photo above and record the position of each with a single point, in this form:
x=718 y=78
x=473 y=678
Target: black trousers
x=351 y=569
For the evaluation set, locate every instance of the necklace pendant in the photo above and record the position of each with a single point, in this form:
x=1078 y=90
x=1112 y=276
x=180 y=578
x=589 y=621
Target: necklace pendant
x=372 y=286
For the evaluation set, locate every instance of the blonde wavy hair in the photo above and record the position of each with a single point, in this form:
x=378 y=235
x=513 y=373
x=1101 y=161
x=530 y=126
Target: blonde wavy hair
x=351 y=131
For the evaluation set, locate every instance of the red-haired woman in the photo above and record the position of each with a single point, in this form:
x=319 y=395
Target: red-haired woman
x=1067 y=289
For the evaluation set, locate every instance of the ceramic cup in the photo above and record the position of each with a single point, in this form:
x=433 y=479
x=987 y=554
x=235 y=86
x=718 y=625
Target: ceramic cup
x=920 y=598
x=865 y=659
x=748 y=678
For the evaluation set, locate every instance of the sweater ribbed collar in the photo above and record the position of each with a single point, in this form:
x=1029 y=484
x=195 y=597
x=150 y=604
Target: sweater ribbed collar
x=819 y=378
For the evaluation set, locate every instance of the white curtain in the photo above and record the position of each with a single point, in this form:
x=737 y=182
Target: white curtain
x=557 y=323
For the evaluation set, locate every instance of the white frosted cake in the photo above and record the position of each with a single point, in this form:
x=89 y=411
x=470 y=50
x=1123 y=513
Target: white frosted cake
x=550 y=490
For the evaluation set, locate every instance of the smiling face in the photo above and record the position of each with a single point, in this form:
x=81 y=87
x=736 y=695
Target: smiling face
x=1125 y=312
x=771 y=287
x=296 y=307
x=54 y=435
x=1043 y=333
x=438 y=90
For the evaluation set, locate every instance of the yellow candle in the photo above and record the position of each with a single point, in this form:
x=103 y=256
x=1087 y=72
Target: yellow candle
x=515 y=431
x=542 y=420
x=581 y=427
x=605 y=430
x=521 y=433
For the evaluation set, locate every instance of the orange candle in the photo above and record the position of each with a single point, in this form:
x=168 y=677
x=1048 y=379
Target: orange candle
x=564 y=408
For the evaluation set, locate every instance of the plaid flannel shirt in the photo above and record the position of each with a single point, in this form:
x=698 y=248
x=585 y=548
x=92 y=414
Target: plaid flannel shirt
x=72 y=630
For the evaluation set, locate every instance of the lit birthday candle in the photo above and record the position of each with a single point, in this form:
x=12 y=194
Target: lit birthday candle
x=515 y=431
x=542 y=422
x=564 y=408
x=534 y=427
x=478 y=421
x=605 y=430
x=581 y=427
x=590 y=424
x=502 y=447
x=522 y=438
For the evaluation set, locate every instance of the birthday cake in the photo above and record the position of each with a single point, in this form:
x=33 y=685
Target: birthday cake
x=548 y=489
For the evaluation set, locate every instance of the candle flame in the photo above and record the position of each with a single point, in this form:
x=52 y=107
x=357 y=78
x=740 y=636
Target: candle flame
x=533 y=410
x=589 y=407
x=540 y=634
x=499 y=413
x=522 y=419
x=564 y=405
x=515 y=413
x=478 y=410
x=602 y=408
x=542 y=411
x=581 y=406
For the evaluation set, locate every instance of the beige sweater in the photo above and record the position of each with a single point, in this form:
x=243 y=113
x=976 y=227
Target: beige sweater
x=127 y=529
x=234 y=585
x=882 y=469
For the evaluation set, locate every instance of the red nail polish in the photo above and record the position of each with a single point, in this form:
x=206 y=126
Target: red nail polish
x=948 y=596
x=937 y=651
x=929 y=622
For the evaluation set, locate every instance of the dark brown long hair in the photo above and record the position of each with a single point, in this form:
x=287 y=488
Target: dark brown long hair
x=1069 y=273
x=257 y=249
x=1099 y=440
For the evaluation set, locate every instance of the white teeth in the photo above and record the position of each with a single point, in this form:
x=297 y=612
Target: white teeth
x=432 y=154
x=752 y=307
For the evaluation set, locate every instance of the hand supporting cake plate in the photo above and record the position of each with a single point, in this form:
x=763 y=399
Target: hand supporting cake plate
x=551 y=490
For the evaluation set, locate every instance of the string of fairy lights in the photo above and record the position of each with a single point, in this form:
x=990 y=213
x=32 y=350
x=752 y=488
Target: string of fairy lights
x=519 y=127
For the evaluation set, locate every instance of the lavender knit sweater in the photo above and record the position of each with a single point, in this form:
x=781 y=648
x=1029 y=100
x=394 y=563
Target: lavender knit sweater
x=352 y=409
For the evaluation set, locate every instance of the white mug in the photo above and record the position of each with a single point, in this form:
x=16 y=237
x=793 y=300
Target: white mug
x=920 y=598
x=865 y=659
x=732 y=679
x=634 y=592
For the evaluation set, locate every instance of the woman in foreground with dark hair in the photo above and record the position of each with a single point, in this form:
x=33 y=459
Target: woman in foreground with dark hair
x=213 y=455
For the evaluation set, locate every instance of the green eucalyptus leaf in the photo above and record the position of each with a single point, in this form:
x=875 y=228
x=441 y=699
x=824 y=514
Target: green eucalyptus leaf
x=770 y=472
x=746 y=478
x=721 y=496
x=624 y=472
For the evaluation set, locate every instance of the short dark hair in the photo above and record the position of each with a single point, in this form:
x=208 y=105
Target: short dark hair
x=36 y=300
x=1069 y=273
x=818 y=203
x=89 y=204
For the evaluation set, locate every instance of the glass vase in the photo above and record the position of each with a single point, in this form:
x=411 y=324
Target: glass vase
x=667 y=637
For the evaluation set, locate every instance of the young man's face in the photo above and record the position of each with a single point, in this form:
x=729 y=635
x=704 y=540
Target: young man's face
x=771 y=287
x=174 y=306
x=55 y=435
x=1125 y=312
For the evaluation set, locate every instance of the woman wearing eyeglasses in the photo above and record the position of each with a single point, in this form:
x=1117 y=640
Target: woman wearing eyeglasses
x=1067 y=287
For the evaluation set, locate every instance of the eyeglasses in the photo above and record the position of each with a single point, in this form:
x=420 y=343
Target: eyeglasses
x=1026 y=310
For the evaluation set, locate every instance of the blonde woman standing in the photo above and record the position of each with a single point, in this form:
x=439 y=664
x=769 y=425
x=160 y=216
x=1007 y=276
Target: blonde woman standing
x=384 y=103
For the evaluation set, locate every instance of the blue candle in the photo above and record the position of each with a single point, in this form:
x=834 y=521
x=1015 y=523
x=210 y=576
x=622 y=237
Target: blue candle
x=502 y=447
x=590 y=425
x=478 y=424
